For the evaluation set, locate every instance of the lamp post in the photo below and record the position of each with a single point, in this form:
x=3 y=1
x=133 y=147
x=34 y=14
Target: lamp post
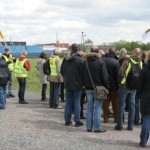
x=82 y=39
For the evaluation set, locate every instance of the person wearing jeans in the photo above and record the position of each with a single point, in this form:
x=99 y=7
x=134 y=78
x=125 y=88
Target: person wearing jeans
x=22 y=66
x=72 y=71
x=125 y=91
x=54 y=94
x=4 y=77
x=72 y=97
x=95 y=67
x=42 y=75
x=144 y=91
x=93 y=111
x=122 y=94
x=22 y=87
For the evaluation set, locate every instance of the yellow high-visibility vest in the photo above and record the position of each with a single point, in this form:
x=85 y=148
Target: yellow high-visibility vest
x=19 y=69
x=128 y=70
x=52 y=62
x=11 y=65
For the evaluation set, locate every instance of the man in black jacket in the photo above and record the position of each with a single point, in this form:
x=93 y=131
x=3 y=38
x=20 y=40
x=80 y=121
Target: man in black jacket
x=100 y=78
x=71 y=70
x=112 y=66
x=4 y=77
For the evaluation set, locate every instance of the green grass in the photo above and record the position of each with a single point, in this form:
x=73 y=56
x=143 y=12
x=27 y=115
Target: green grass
x=33 y=84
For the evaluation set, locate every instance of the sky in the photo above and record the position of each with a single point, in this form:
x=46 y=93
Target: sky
x=102 y=21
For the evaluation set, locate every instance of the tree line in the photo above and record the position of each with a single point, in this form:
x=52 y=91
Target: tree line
x=129 y=46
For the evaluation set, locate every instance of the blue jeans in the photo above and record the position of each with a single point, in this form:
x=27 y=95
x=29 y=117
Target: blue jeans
x=93 y=114
x=22 y=87
x=72 y=96
x=54 y=94
x=3 y=96
x=43 y=94
x=145 y=130
x=122 y=95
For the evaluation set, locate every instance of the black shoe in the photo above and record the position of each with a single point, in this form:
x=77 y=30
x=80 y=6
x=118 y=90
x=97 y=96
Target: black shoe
x=7 y=96
x=137 y=123
x=23 y=102
x=100 y=130
x=68 y=123
x=118 y=128
x=142 y=145
x=130 y=129
x=11 y=95
x=77 y=124
x=83 y=117
x=43 y=99
x=89 y=130
x=62 y=100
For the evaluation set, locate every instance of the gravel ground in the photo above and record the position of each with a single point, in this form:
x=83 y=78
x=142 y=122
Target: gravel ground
x=36 y=126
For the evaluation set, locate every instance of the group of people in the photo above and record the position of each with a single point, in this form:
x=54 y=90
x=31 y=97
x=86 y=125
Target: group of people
x=19 y=67
x=125 y=77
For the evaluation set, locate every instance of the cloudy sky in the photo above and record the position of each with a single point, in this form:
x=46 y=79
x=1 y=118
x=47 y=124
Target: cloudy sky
x=39 y=21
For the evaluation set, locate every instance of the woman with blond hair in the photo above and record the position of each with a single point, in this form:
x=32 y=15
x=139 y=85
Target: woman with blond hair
x=22 y=66
x=145 y=101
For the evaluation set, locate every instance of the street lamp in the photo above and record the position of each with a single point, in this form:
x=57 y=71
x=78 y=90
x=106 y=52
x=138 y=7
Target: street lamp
x=82 y=39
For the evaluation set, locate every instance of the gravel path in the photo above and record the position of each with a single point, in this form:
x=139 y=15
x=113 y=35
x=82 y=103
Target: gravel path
x=37 y=127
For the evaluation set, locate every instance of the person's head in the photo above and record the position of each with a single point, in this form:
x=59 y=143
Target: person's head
x=111 y=50
x=0 y=55
x=137 y=52
x=94 y=49
x=57 y=51
x=143 y=55
x=24 y=53
x=6 y=51
x=74 y=48
x=43 y=55
x=147 y=59
x=123 y=52
x=102 y=53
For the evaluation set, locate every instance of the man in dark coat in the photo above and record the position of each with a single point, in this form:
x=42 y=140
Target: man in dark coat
x=112 y=66
x=99 y=75
x=71 y=70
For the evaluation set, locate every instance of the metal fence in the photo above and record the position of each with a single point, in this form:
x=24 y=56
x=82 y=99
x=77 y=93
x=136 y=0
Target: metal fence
x=32 y=50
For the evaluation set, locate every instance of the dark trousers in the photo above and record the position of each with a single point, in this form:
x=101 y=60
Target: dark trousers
x=113 y=98
x=62 y=91
x=137 y=107
x=44 y=87
x=22 y=87
x=83 y=96
x=54 y=94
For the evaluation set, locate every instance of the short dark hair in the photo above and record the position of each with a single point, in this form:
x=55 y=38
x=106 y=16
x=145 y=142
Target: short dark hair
x=43 y=55
x=74 y=47
x=6 y=49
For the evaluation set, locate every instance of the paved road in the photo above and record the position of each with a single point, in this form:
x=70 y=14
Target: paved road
x=37 y=127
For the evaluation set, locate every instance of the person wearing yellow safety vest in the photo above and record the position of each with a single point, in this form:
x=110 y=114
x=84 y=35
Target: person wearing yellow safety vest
x=54 y=64
x=9 y=59
x=22 y=66
x=123 y=91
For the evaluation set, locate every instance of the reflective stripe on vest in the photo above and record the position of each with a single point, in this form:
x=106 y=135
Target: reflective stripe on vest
x=52 y=62
x=19 y=69
x=129 y=68
x=11 y=65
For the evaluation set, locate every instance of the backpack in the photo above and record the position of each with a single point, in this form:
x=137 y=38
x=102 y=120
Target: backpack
x=46 y=68
x=132 y=79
